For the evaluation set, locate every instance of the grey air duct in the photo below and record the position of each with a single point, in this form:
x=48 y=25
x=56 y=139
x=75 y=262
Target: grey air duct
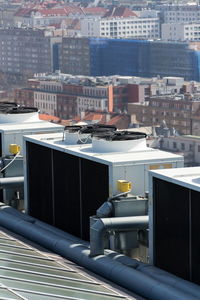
x=111 y=267
x=101 y=225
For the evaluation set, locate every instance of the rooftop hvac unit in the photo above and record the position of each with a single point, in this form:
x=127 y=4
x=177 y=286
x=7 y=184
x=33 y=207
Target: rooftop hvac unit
x=174 y=221
x=65 y=184
x=15 y=122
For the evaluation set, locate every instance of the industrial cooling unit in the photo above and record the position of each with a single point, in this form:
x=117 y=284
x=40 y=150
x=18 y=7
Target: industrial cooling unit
x=16 y=121
x=65 y=184
x=174 y=221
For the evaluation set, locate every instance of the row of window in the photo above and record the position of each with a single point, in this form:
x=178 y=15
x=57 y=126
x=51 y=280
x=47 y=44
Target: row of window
x=44 y=105
x=51 y=87
x=129 y=27
x=128 y=22
x=89 y=102
x=131 y=33
x=194 y=13
x=45 y=97
x=183 y=146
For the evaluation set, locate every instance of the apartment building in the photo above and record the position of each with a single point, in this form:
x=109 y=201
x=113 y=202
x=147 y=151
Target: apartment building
x=188 y=145
x=131 y=27
x=42 y=14
x=66 y=96
x=178 y=111
x=26 y=51
x=179 y=13
x=181 y=31
x=97 y=98
x=75 y=56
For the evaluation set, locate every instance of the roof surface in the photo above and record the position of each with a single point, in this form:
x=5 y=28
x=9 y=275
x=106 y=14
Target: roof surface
x=55 y=141
x=120 y=12
x=28 y=273
x=187 y=177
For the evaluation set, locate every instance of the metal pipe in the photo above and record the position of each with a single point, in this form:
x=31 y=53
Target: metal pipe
x=128 y=277
x=99 y=228
x=11 y=182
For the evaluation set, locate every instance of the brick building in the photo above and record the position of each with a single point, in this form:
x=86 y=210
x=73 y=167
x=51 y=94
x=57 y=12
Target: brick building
x=178 y=112
x=66 y=96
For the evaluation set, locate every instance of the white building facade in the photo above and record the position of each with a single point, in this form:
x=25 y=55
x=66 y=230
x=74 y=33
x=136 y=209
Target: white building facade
x=132 y=27
x=94 y=98
x=188 y=145
x=45 y=102
x=181 y=31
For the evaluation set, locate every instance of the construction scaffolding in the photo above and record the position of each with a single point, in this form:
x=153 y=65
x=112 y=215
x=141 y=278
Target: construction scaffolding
x=143 y=58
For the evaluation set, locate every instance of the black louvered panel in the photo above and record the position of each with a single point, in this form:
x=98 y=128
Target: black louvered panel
x=94 y=191
x=171 y=228
x=66 y=178
x=195 y=236
x=39 y=182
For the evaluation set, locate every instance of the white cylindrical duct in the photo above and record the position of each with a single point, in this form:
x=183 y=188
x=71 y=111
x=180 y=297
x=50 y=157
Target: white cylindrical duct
x=118 y=141
x=19 y=117
x=102 y=145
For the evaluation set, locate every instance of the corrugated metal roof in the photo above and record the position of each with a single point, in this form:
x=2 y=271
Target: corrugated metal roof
x=29 y=274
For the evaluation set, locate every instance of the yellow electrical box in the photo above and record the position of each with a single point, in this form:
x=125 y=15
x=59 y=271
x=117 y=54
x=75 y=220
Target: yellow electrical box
x=124 y=186
x=14 y=148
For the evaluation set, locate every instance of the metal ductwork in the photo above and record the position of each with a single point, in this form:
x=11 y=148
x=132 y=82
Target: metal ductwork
x=112 y=266
x=11 y=182
x=101 y=225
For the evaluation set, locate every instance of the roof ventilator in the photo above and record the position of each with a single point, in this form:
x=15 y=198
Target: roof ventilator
x=81 y=134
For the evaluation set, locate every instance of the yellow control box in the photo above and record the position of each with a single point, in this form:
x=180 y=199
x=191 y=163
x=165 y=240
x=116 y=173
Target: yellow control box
x=14 y=148
x=124 y=186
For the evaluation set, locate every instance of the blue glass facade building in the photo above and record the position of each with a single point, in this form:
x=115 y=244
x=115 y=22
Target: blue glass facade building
x=143 y=58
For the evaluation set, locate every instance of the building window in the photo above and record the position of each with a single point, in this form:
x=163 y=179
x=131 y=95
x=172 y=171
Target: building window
x=198 y=148
x=174 y=145
x=182 y=146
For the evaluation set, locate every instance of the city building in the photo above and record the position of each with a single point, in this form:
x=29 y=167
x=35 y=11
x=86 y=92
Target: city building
x=75 y=56
x=178 y=13
x=131 y=27
x=180 y=112
x=188 y=145
x=66 y=96
x=27 y=51
x=128 y=57
x=40 y=15
x=181 y=31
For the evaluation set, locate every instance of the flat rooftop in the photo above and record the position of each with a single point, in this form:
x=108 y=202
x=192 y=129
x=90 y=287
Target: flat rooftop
x=187 y=177
x=55 y=141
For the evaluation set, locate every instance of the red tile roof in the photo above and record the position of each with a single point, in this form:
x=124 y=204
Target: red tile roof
x=53 y=12
x=61 y=11
x=95 y=10
x=49 y=118
x=24 y=12
x=120 y=12
x=93 y=117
